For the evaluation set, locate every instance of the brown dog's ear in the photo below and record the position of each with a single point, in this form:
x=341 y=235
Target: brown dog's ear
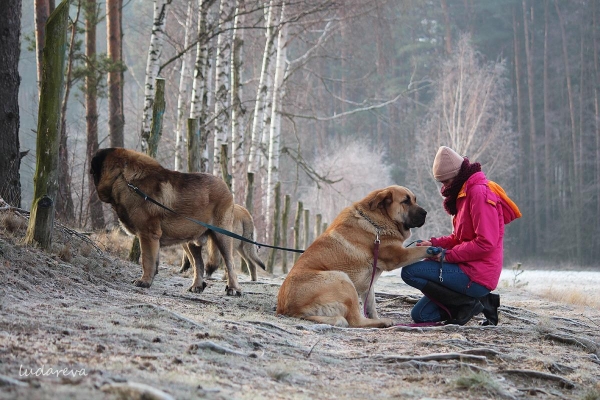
x=381 y=200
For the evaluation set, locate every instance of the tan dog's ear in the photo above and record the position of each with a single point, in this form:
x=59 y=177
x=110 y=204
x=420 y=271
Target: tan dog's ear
x=381 y=200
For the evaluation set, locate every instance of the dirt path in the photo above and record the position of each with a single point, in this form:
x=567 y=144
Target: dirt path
x=108 y=339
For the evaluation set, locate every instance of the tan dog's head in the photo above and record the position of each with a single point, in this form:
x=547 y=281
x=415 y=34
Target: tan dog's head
x=400 y=205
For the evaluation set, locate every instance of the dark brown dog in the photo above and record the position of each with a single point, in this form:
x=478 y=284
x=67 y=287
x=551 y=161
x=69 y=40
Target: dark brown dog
x=199 y=196
x=325 y=283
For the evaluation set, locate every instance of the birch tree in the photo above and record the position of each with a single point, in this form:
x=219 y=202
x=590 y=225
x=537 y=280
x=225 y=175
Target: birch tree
x=183 y=86
x=152 y=66
x=237 y=133
x=222 y=83
x=261 y=93
x=199 y=98
x=275 y=126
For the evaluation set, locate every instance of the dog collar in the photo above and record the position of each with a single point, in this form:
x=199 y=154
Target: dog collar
x=377 y=227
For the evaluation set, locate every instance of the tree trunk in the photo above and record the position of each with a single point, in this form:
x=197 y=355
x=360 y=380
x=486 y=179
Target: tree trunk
x=41 y=219
x=199 y=97
x=297 y=219
x=548 y=206
x=193 y=138
x=182 y=95
x=261 y=94
x=10 y=49
x=152 y=66
x=114 y=33
x=222 y=83
x=42 y=11
x=448 y=36
x=91 y=106
x=275 y=128
x=597 y=121
x=237 y=111
x=533 y=161
x=284 y=232
x=575 y=162
x=64 y=201
x=522 y=193
x=276 y=228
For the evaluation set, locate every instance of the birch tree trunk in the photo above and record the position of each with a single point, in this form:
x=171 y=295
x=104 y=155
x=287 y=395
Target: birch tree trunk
x=199 y=98
x=182 y=96
x=152 y=66
x=261 y=94
x=237 y=134
x=114 y=34
x=222 y=83
x=275 y=127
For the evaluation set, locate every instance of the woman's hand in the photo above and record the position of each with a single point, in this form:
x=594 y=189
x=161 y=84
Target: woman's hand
x=424 y=243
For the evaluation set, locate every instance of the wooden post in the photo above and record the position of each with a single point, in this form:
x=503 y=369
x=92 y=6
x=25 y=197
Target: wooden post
x=318 y=225
x=41 y=218
x=297 y=230
x=276 y=228
x=224 y=162
x=193 y=141
x=284 y=229
x=250 y=193
x=324 y=226
x=306 y=228
x=158 y=111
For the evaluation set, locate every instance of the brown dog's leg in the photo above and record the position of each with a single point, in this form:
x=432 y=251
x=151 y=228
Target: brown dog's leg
x=213 y=257
x=194 y=253
x=225 y=246
x=185 y=261
x=149 y=244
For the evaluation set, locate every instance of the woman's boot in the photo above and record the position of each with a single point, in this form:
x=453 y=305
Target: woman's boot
x=490 y=302
x=460 y=306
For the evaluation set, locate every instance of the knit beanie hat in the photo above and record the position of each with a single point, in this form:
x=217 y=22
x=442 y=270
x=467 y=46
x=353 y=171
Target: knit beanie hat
x=446 y=164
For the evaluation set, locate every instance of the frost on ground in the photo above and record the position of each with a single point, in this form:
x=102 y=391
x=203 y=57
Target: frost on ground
x=73 y=326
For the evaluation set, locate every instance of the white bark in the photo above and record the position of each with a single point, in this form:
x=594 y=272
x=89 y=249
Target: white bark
x=152 y=65
x=199 y=102
x=261 y=94
x=183 y=88
x=237 y=134
x=222 y=83
x=275 y=126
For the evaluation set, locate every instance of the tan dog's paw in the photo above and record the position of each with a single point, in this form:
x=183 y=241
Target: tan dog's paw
x=197 y=289
x=233 y=291
x=141 y=283
x=386 y=322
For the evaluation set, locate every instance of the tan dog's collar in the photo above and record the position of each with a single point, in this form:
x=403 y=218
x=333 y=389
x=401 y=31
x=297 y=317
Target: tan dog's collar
x=378 y=229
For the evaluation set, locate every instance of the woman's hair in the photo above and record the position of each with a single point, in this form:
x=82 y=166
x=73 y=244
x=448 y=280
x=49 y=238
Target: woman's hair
x=450 y=192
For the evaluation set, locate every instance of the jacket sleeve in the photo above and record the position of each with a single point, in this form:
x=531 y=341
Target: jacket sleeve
x=486 y=227
x=447 y=242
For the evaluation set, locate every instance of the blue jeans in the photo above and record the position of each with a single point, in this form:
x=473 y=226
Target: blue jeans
x=418 y=274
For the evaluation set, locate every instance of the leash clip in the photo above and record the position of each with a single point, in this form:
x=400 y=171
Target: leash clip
x=377 y=241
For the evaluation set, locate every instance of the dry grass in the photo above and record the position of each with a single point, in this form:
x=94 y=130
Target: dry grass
x=570 y=296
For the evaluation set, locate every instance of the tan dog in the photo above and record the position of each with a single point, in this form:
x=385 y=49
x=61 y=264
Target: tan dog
x=243 y=225
x=325 y=283
x=198 y=196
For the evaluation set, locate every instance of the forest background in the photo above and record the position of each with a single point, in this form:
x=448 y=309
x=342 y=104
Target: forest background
x=333 y=99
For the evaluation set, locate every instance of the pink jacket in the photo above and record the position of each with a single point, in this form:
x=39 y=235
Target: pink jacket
x=476 y=244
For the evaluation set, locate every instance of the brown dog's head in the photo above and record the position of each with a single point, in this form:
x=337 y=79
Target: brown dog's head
x=98 y=163
x=400 y=204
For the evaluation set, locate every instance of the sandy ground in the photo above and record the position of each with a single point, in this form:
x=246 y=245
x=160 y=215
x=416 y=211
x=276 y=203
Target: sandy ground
x=73 y=326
